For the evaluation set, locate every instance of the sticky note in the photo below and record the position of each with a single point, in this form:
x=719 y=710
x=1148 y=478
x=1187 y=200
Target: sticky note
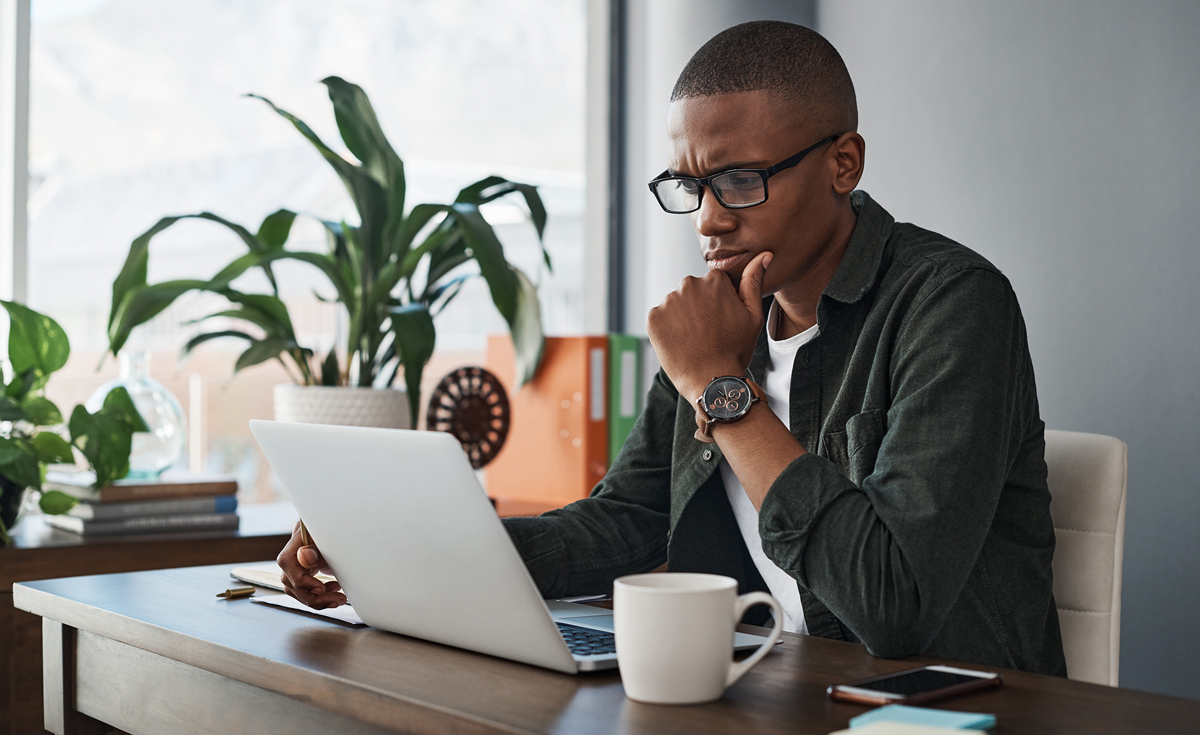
x=925 y=716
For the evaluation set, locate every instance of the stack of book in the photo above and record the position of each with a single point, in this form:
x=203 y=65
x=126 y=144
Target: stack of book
x=173 y=503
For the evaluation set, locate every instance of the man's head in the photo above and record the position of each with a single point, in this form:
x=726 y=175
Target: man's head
x=751 y=97
x=794 y=64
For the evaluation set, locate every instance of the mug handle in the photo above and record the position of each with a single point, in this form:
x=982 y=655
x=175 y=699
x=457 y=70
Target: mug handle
x=745 y=602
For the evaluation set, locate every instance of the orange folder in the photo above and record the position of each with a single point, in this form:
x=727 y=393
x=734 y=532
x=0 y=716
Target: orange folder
x=557 y=446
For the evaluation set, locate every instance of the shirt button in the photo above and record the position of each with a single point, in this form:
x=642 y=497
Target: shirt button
x=707 y=454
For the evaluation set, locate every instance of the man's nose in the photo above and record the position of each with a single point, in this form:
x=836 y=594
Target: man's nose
x=712 y=218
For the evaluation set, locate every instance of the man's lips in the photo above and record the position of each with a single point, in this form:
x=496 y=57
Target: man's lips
x=727 y=261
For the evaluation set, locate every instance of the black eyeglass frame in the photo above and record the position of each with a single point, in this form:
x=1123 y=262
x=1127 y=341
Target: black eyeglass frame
x=764 y=173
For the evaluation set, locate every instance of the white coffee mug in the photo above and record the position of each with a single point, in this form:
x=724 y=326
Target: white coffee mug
x=675 y=635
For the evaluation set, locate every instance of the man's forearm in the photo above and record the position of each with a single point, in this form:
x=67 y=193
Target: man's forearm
x=758 y=448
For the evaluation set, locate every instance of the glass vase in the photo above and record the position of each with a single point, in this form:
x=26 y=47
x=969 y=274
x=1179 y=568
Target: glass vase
x=161 y=447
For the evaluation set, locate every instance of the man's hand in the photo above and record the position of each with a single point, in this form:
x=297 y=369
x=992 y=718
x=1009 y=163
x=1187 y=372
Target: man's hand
x=299 y=563
x=707 y=328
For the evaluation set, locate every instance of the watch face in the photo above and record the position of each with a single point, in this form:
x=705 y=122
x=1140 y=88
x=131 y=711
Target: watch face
x=727 y=398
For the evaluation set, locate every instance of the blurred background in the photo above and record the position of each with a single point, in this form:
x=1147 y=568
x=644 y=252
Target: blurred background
x=1060 y=140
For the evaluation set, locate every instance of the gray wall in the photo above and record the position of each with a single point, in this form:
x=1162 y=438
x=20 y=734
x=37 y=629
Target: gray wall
x=1062 y=141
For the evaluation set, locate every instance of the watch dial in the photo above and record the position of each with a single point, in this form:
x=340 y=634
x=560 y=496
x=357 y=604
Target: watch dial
x=726 y=398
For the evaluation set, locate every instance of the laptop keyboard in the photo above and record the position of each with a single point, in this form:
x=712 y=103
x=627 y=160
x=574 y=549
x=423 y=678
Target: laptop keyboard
x=587 y=642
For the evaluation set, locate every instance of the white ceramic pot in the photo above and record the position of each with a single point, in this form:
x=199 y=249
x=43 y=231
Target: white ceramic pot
x=384 y=408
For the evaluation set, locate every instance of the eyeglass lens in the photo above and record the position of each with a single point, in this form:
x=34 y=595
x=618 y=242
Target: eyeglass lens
x=733 y=189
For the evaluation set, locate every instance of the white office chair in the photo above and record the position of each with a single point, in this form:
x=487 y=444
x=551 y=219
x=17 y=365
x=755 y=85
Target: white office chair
x=1087 y=488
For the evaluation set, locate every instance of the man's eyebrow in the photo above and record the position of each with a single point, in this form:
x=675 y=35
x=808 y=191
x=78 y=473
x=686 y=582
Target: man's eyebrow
x=723 y=169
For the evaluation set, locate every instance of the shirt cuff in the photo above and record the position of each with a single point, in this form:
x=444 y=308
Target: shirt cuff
x=802 y=493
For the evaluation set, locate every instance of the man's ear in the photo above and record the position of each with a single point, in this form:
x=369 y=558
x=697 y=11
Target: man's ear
x=848 y=154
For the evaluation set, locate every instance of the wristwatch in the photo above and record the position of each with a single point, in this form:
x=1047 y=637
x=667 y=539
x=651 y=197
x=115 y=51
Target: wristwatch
x=726 y=399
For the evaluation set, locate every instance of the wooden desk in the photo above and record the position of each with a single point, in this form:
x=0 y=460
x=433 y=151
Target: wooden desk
x=41 y=552
x=156 y=652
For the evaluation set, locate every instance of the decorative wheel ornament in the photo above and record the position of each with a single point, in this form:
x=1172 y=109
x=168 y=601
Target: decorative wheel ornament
x=471 y=404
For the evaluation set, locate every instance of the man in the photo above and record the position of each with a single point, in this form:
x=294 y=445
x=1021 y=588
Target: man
x=890 y=486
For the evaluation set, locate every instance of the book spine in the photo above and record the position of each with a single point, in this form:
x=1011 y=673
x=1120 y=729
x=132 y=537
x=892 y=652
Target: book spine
x=119 y=493
x=624 y=390
x=109 y=511
x=146 y=524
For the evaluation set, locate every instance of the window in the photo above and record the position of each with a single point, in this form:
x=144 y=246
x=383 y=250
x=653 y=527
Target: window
x=136 y=112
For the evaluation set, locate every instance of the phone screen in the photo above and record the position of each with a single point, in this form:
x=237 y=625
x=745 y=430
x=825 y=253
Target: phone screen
x=915 y=682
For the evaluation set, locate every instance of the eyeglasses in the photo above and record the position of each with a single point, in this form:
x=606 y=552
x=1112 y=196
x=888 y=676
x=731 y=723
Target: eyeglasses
x=735 y=189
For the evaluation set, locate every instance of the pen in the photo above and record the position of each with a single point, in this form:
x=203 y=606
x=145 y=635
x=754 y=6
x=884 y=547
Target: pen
x=236 y=592
x=305 y=539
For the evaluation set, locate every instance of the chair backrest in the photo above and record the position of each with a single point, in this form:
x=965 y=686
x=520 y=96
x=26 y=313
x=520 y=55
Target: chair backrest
x=1087 y=488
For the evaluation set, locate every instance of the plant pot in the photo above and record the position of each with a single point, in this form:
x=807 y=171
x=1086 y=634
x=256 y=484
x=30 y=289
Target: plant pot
x=384 y=408
x=10 y=502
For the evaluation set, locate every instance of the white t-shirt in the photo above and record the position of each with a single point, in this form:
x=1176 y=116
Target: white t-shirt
x=778 y=387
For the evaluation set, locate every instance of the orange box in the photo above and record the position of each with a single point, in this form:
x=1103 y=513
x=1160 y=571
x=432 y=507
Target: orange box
x=557 y=447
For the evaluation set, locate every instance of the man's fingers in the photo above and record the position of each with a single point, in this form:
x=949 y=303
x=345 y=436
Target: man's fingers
x=308 y=556
x=750 y=288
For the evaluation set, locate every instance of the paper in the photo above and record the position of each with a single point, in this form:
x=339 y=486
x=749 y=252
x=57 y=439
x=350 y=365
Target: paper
x=267 y=575
x=343 y=614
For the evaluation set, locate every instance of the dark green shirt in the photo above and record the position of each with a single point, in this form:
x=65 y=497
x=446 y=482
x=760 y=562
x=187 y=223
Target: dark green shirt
x=919 y=522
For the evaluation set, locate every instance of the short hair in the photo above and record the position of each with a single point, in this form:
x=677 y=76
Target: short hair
x=785 y=59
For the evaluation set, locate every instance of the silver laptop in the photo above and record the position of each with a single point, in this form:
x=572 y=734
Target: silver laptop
x=419 y=550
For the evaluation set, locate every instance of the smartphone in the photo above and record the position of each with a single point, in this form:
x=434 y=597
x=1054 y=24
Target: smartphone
x=915 y=686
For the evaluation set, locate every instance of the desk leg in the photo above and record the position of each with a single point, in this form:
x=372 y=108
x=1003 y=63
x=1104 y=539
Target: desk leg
x=58 y=683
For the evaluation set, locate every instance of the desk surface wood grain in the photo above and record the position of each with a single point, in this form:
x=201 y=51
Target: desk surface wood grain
x=391 y=681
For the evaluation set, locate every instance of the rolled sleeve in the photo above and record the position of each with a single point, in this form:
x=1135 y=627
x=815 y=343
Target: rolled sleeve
x=621 y=528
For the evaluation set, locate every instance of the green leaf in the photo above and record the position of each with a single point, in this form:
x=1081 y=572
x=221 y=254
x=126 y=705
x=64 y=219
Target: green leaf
x=528 y=340
x=420 y=216
x=362 y=134
x=22 y=384
x=489 y=253
x=10 y=410
x=119 y=405
x=274 y=230
x=134 y=302
x=41 y=411
x=52 y=448
x=24 y=470
x=141 y=304
x=261 y=350
x=473 y=193
x=441 y=242
x=56 y=502
x=133 y=272
x=494 y=187
x=106 y=437
x=365 y=191
x=202 y=338
x=415 y=337
x=263 y=310
x=330 y=374
x=35 y=340
x=10 y=450
x=446 y=292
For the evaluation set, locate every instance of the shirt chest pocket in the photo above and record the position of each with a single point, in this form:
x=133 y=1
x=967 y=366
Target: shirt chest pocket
x=854 y=450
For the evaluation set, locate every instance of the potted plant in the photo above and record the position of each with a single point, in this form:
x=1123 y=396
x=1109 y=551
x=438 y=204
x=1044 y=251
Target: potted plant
x=31 y=430
x=372 y=266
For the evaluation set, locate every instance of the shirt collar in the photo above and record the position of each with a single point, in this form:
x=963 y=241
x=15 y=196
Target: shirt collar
x=854 y=275
x=860 y=263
